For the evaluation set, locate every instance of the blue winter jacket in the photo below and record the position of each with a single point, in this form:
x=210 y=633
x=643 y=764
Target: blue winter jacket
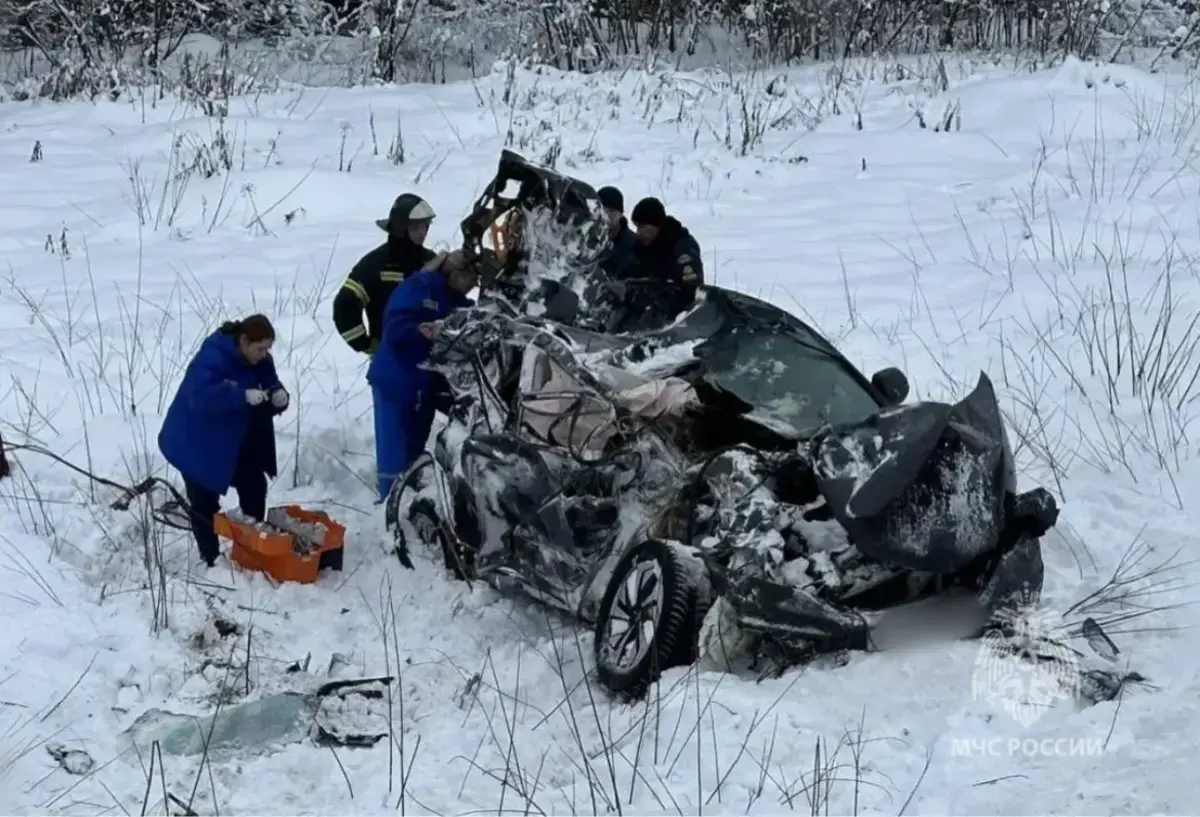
x=209 y=424
x=395 y=369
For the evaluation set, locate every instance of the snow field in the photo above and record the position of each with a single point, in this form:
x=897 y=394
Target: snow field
x=1047 y=237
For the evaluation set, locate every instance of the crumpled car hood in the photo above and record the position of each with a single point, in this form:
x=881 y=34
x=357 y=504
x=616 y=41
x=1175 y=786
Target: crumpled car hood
x=921 y=486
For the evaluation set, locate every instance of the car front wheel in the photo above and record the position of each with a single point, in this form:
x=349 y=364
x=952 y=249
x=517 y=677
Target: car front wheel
x=646 y=616
x=431 y=530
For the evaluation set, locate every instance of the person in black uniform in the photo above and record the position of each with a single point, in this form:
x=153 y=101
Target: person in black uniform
x=620 y=260
x=667 y=257
x=372 y=280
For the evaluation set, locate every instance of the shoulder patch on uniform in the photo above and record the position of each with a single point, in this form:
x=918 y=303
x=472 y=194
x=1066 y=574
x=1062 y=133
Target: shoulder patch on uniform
x=689 y=274
x=430 y=304
x=685 y=259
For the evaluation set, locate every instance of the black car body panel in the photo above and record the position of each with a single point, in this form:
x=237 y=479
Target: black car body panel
x=921 y=486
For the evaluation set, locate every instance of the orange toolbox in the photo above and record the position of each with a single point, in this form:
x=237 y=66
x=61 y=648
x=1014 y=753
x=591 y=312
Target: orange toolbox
x=291 y=545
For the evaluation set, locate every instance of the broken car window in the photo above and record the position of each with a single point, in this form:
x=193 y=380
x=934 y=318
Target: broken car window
x=786 y=380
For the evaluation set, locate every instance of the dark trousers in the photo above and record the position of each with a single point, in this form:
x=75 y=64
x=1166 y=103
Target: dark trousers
x=251 y=487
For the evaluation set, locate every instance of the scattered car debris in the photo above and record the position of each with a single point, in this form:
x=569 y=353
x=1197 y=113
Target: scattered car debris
x=73 y=761
x=4 y=467
x=347 y=716
x=349 y=713
x=1098 y=640
x=225 y=627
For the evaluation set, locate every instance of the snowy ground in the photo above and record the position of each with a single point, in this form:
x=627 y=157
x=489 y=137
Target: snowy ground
x=1048 y=237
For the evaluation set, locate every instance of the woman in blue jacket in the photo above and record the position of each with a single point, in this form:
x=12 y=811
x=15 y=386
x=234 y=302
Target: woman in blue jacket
x=219 y=430
x=403 y=392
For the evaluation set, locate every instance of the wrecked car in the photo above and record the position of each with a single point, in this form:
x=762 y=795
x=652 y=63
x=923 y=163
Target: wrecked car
x=725 y=469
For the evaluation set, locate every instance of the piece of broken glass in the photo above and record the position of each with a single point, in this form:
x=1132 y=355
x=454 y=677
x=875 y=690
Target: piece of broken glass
x=344 y=713
x=274 y=720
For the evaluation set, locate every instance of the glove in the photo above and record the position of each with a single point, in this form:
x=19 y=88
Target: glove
x=279 y=398
x=255 y=397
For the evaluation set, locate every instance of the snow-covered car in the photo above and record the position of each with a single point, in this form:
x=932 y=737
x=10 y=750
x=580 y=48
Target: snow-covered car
x=725 y=476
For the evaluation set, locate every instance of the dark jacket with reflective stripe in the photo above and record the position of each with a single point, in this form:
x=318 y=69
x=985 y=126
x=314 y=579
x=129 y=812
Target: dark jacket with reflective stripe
x=368 y=287
x=671 y=267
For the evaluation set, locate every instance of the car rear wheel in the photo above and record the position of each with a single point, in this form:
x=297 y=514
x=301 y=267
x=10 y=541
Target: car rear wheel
x=646 y=617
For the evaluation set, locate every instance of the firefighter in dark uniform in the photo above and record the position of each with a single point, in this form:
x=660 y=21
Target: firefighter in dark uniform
x=372 y=280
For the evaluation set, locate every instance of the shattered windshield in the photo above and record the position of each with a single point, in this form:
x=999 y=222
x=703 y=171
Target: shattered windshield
x=786 y=380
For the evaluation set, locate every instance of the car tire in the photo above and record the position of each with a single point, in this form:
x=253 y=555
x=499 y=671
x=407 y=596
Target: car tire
x=431 y=531
x=687 y=647
x=656 y=583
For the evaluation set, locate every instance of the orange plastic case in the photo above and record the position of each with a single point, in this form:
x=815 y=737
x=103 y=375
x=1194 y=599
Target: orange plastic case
x=276 y=553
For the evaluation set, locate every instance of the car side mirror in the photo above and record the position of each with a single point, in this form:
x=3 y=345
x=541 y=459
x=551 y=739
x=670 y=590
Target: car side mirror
x=892 y=384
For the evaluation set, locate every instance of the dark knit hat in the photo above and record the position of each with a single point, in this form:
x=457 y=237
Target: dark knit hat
x=649 y=211
x=611 y=199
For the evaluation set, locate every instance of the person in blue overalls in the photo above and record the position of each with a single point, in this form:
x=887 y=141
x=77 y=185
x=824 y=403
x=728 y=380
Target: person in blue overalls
x=405 y=394
x=220 y=431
